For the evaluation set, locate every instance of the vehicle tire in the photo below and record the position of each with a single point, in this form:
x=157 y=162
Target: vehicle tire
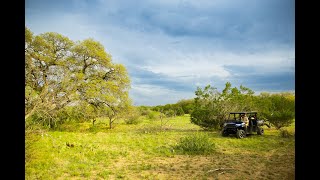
x=260 y=131
x=224 y=133
x=241 y=134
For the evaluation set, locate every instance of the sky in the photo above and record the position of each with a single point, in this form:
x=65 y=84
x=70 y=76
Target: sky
x=171 y=47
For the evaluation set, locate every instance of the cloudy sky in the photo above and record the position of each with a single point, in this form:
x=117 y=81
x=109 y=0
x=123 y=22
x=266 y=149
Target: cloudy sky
x=171 y=47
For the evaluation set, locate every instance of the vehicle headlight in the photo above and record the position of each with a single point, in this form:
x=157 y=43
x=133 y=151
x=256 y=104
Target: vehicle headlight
x=224 y=124
x=242 y=124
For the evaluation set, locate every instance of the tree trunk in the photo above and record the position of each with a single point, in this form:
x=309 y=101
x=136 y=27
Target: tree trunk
x=110 y=123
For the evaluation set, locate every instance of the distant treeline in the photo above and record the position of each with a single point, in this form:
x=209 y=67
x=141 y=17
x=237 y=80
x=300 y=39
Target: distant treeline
x=180 y=108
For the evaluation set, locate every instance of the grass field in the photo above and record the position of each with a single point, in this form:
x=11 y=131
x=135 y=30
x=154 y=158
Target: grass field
x=144 y=151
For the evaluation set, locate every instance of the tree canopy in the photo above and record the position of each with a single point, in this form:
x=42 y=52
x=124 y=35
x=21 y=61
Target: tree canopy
x=60 y=72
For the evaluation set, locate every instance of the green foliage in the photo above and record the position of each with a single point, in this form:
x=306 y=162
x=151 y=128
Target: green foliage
x=132 y=117
x=187 y=105
x=206 y=113
x=285 y=133
x=152 y=115
x=133 y=120
x=61 y=73
x=204 y=118
x=279 y=109
x=47 y=78
x=76 y=113
x=197 y=143
x=211 y=107
x=180 y=108
x=170 y=113
x=180 y=111
x=144 y=110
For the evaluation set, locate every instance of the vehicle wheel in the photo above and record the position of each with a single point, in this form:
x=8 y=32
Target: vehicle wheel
x=224 y=133
x=260 y=131
x=241 y=134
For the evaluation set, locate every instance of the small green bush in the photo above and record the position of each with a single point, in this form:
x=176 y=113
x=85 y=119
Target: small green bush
x=197 y=143
x=144 y=111
x=152 y=115
x=285 y=133
x=134 y=119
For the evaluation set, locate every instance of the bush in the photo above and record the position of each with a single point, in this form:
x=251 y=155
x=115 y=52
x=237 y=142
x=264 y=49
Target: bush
x=197 y=143
x=205 y=118
x=152 y=115
x=180 y=111
x=281 y=110
x=144 y=111
x=169 y=113
x=133 y=119
x=42 y=118
x=285 y=133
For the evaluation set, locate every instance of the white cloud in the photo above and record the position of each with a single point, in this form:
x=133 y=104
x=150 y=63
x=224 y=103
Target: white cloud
x=155 y=95
x=205 y=65
x=192 y=69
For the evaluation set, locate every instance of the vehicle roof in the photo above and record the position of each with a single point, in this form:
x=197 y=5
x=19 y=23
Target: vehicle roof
x=243 y=112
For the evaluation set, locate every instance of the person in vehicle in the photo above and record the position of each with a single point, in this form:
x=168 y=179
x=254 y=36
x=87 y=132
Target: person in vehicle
x=253 y=117
x=245 y=119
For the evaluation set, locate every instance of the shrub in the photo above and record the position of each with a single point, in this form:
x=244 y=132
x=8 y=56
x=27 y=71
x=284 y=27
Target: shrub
x=180 y=111
x=152 y=115
x=169 y=113
x=197 y=143
x=281 y=110
x=285 y=133
x=205 y=118
x=133 y=119
x=144 y=111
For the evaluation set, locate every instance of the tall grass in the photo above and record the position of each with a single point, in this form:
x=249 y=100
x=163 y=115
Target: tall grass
x=197 y=143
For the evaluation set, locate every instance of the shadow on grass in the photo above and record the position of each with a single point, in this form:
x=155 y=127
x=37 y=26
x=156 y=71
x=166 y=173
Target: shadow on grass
x=82 y=127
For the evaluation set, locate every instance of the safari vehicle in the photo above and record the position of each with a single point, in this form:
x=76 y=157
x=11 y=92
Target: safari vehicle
x=234 y=125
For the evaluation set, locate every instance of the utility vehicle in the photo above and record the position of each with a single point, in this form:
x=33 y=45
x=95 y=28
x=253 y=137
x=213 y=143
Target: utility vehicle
x=235 y=125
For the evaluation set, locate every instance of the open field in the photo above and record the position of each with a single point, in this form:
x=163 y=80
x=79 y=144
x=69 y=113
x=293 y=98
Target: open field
x=143 y=151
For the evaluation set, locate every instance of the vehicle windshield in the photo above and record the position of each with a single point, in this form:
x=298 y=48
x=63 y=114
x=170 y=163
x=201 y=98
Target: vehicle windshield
x=234 y=117
x=237 y=116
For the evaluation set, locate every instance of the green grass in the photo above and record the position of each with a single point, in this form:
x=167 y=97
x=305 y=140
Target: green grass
x=146 y=151
x=196 y=143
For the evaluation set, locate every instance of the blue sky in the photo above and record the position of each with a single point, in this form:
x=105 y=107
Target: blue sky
x=170 y=47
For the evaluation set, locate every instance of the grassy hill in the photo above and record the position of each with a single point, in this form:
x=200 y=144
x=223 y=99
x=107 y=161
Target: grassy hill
x=146 y=151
